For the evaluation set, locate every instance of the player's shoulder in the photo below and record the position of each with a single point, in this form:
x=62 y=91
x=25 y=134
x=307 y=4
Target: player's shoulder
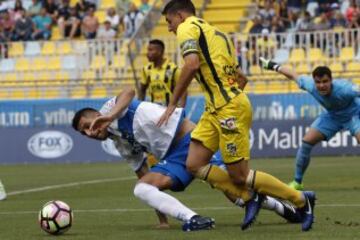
x=148 y=66
x=189 y=25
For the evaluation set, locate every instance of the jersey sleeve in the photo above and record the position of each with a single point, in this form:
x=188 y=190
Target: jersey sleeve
x=350 y=90
x=188 y=38
x=305 y=82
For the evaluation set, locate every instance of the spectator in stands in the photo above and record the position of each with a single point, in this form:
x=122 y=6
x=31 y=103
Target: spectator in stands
x=351 y=11
x=90 y=24
x=42 y=26
x=113 y=18
x=63 y=12
x=257 y=26
x=267 y=13
x=132 y=21
x=23 y=27
x=282 y=12
x=277 y=25
x=7 y=24
x=82 y=7
x=321 y=23
x=72 y=25
x=266 y=45
x=15 y=13
x=144 y=6
x=337 y=21
x=304 y=23
x=106 y=32
x=51 y=9
x=294 y=6
x=355 y=20
x=35 y=8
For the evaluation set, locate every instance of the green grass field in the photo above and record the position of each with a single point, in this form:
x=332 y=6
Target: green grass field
x=104 y=206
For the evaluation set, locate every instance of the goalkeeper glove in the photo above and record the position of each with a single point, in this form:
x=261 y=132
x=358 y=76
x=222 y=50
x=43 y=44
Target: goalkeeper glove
x=269 y=65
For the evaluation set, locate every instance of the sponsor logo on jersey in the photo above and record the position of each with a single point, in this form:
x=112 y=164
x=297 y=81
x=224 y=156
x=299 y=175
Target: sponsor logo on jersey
x=109 y=147
x=50 y=144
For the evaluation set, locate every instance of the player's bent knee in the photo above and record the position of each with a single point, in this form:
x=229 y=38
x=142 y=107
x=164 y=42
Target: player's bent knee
x=238 y=179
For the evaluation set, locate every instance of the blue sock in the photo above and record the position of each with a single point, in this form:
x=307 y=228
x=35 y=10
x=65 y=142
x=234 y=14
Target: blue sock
x=302 y=161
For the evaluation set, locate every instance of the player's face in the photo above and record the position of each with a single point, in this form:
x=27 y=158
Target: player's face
x=84 y=128
x=323 y=85
x=153 y=53
x=174 y=20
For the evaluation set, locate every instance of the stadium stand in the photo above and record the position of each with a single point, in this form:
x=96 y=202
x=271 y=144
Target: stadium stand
x=51 y=69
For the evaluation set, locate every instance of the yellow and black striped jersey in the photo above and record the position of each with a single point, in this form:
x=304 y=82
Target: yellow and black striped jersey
x=161 y=81
x=218 y=62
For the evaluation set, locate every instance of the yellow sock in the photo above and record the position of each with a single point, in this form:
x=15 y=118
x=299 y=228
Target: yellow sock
x=221 y=180
x=266 y=184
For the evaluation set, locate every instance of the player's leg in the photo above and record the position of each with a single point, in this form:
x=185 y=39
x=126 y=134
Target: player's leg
x=311 y=138
x=203 y=145
x=167 y=175
x=2 y=191
x=285 y=210
x=324 y=127
x=235 y=148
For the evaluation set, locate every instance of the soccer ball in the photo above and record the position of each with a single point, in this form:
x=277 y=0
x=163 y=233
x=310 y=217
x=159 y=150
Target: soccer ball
x=55 y=217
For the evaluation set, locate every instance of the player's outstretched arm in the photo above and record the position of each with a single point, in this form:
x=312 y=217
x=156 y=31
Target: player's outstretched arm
x=122 y=102
x=270 y=65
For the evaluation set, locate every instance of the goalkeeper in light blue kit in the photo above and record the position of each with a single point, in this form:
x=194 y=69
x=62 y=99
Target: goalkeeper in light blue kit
x=338 y=97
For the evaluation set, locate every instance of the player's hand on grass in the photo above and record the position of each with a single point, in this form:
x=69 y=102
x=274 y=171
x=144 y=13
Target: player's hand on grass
x=166 y=115
x=268 y=64
x=100 y=123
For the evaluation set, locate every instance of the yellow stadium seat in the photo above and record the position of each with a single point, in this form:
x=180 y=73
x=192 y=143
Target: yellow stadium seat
x=51 y=93
x=227 y=27
x=161 y=30
x=33 y=93
x=55 y=33
x=220 y=4
x=101 y=15
x=231 y=15
x=39 y=63
x=352 y=69
x=16 y=49
x=255 y=70
x=119 y=62
x=61 y=75
x=9 y=77
x=17 y=94
x=22 y=64
x=109 y=77
x=99 y=92
x=64 y=48
x=79 y=92
x=105 y=4
x=337 y=69
x=297 y=55
x=88 y=75
x=98 y=62
x=4 y=94
x=315 y=55
x=48 y=48
x=73 y=2
x=356 y=81
x=303 y=68
x=54 y=63
x=346 y=54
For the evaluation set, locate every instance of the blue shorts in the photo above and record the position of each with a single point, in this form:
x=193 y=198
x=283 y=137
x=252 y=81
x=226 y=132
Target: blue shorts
x=174 y=164
x=329 y=126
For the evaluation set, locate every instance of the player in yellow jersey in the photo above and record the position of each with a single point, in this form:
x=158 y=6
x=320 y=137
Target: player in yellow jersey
x=209 y=56
x=159 y=76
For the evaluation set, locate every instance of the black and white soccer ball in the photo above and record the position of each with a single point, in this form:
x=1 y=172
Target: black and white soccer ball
x=55 y=217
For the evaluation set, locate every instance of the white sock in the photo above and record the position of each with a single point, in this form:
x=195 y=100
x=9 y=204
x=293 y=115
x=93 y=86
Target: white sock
x=163 y=202
x=239 y=202
x=272 y=204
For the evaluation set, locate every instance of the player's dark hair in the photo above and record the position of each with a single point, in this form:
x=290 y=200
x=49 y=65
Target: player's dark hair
x=179 y=5
x=321 y=71
x=79 y=114
x=158 y=43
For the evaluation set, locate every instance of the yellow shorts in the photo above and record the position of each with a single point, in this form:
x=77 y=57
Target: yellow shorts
x=228 y=128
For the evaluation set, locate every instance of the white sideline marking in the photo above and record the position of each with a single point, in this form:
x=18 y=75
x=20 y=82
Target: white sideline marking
x=124 y=210
x=51 y=187
x=192 y=109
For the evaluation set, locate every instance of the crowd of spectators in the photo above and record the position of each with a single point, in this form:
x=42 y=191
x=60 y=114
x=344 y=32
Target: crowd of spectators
x=305 y=15
x=26 y=20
